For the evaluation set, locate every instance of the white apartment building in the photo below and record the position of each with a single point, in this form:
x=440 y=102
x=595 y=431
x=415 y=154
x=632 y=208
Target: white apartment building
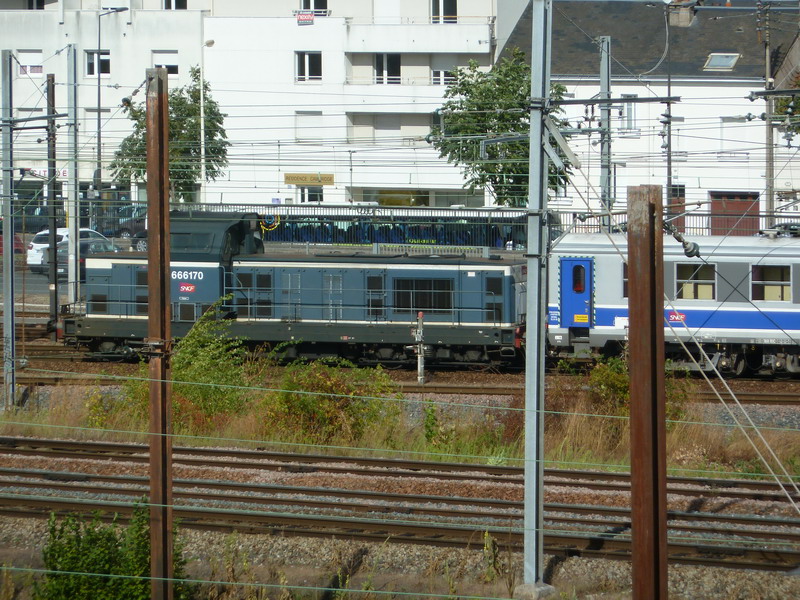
x=331 y=100
x=325 y=100
x=714 y=153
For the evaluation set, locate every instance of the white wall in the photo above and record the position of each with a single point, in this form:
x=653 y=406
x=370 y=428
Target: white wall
x=714 y=148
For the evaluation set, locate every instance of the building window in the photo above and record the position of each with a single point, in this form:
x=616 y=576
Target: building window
x=696 y=282
x=311 y=193
x=387 y=68
x=432 y=295
x=442 y=77
x=309 y=66
x=175 y=4
x=167 y=59
x=627 y=112
x=308 y=126
x=35 y=4
x=91 y=63
x=771 y=283
x=30 y=62
x=444 y=11
x=320 y=7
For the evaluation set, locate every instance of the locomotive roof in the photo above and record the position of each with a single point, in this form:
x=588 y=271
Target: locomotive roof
x=499 y=259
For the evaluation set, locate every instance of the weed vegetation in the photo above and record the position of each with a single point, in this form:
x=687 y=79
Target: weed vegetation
x=222 y=394
x=90 y=560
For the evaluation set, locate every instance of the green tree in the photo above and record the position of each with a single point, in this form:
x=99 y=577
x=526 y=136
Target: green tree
x=481 y=105
x=130 y=161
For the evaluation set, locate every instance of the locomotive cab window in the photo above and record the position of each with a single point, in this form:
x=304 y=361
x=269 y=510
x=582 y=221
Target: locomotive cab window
x=433 y=295
x=695 y=282
x=771 y=282
x=494 y=286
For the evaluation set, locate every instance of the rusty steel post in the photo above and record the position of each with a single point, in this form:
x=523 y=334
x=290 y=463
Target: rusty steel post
x=159 y=335
x=646 y=351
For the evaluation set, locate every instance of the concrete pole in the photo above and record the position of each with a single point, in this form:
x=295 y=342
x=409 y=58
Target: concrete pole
x=605 y=132
x=533 y=543
x=206 y=44
x=769 y=175
x=9 y=324
x=52 y=255
x=73 y=194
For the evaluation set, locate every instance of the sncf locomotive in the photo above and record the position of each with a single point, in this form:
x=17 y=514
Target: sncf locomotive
x=323 y=302
x=736 y=309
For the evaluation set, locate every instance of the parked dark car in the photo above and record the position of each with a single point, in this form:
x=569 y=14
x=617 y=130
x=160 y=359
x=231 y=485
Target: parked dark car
x=124 y=222
x=87 y=247
x=132 y=224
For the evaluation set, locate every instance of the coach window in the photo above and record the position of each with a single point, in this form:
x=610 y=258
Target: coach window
x=695 y=282
x=771 y=282
x=433 y=295
x=624 y=280
x=578 y=279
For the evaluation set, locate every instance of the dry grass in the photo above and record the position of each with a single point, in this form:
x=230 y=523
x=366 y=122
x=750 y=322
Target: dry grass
x=576 y=434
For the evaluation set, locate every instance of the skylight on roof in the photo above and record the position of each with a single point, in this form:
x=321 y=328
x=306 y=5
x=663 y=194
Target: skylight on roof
x=721 y=61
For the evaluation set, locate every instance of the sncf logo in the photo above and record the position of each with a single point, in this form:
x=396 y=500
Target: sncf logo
x=187 y=287
x=676 y=317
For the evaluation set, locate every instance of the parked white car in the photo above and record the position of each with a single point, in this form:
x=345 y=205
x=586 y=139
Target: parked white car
x=38 y=245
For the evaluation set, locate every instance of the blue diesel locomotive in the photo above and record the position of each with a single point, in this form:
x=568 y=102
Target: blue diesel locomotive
x=327 y=303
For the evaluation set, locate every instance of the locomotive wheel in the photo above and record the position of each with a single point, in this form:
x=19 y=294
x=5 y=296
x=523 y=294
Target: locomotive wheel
x=739 y=366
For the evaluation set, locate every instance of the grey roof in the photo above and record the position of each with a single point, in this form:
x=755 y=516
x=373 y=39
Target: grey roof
x=637 y=31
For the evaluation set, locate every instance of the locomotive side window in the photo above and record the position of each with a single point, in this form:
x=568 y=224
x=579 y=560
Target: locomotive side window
x=578 y=279
x=494 y=285
x=771 y=282
x=376 y=291
x=434 y=295
x=494 y=304
x=142 y=301
x=695 y=282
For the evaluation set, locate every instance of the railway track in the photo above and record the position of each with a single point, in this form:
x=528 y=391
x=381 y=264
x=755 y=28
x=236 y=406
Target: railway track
x=595 y=531
x=263 y=459
x=55 y=352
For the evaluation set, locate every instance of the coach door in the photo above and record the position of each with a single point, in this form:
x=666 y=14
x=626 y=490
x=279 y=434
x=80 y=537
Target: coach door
x=577 y=292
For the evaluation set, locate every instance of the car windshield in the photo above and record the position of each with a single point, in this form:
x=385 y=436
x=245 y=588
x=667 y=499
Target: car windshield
x=88 y=248
x=44 y=238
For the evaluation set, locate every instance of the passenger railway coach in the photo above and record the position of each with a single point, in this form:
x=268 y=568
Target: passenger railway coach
x=740 y=301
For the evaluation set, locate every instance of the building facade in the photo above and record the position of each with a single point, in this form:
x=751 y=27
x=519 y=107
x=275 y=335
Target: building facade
x=325 y=100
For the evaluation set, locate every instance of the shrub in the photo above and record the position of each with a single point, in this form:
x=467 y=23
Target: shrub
x=331 y=399
x=93 y=561
x=205 y=394
x=609 y=383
